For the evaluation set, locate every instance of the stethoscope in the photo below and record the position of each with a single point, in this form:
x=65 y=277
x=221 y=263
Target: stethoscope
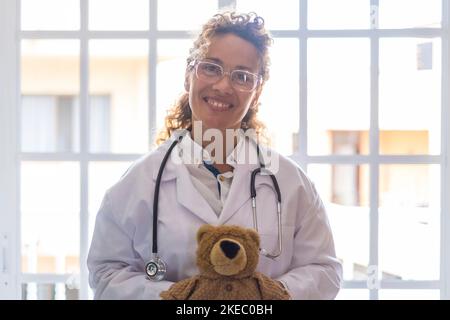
x=156 y=268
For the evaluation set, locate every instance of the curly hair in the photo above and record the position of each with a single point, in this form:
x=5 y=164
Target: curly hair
x=249 y=27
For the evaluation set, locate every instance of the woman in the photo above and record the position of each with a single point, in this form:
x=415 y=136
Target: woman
x=206 y=180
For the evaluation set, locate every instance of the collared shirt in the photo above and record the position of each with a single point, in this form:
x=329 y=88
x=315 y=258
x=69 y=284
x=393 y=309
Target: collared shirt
x=213 y=187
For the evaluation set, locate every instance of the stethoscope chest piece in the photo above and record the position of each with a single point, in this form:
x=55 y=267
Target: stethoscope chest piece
x=156 y=269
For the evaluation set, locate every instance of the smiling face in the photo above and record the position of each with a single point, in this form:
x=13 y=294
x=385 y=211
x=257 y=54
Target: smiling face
x=219 y=105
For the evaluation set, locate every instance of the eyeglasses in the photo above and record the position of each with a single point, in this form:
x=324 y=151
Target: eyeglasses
x=241 y=80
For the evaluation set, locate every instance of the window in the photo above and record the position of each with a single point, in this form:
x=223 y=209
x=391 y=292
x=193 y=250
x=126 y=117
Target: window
x=361 y=93
x=373 y=141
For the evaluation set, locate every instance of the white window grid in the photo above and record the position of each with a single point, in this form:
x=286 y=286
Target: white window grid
x=11 y=182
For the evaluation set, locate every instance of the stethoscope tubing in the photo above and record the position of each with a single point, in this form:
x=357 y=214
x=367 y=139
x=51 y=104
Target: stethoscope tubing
x=157 y=264
x=156 y=195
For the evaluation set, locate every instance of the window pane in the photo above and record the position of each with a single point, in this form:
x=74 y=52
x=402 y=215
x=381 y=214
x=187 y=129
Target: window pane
x=172 y=55
x=119 y=79
x=50 y=205
x=50 y=15
x=342 y=14
x=345 y=191
x=279 y=108
x=410 y=90
x=403 y=294
x=409 y=221
x=398 y=14
x=118 y=14
x=48 y=291
x=189 y=15
x=102 y=176
x=338 y=96
x=100 y=123
x=277 y=16
x=50 y=79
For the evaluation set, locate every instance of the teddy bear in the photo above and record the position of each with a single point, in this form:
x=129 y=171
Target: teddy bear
x=227 y=257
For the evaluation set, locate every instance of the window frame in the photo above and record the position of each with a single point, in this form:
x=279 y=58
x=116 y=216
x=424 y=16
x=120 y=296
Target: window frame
x=11 y=156
x=9 y=175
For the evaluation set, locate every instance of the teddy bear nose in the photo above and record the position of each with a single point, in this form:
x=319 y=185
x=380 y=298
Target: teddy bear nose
x=229 y=248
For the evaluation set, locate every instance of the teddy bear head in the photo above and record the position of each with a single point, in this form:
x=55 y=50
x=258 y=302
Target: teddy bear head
x=229 y=251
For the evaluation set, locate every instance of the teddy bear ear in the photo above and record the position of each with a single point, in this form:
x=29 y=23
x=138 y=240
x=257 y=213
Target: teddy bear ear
x=253 y=235
x=203 y=230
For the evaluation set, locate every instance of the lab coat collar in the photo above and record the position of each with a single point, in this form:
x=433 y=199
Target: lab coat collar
x=169 y=170
x=185 y=190
x=192 y=153
x=243 y=159
x=244 y=156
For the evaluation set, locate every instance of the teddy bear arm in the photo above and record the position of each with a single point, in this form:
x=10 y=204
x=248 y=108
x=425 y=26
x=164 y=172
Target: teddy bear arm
x=270 y=289
x=180 y=290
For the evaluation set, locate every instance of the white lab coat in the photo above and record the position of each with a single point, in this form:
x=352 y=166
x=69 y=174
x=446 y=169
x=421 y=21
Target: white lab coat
x=121 y=244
